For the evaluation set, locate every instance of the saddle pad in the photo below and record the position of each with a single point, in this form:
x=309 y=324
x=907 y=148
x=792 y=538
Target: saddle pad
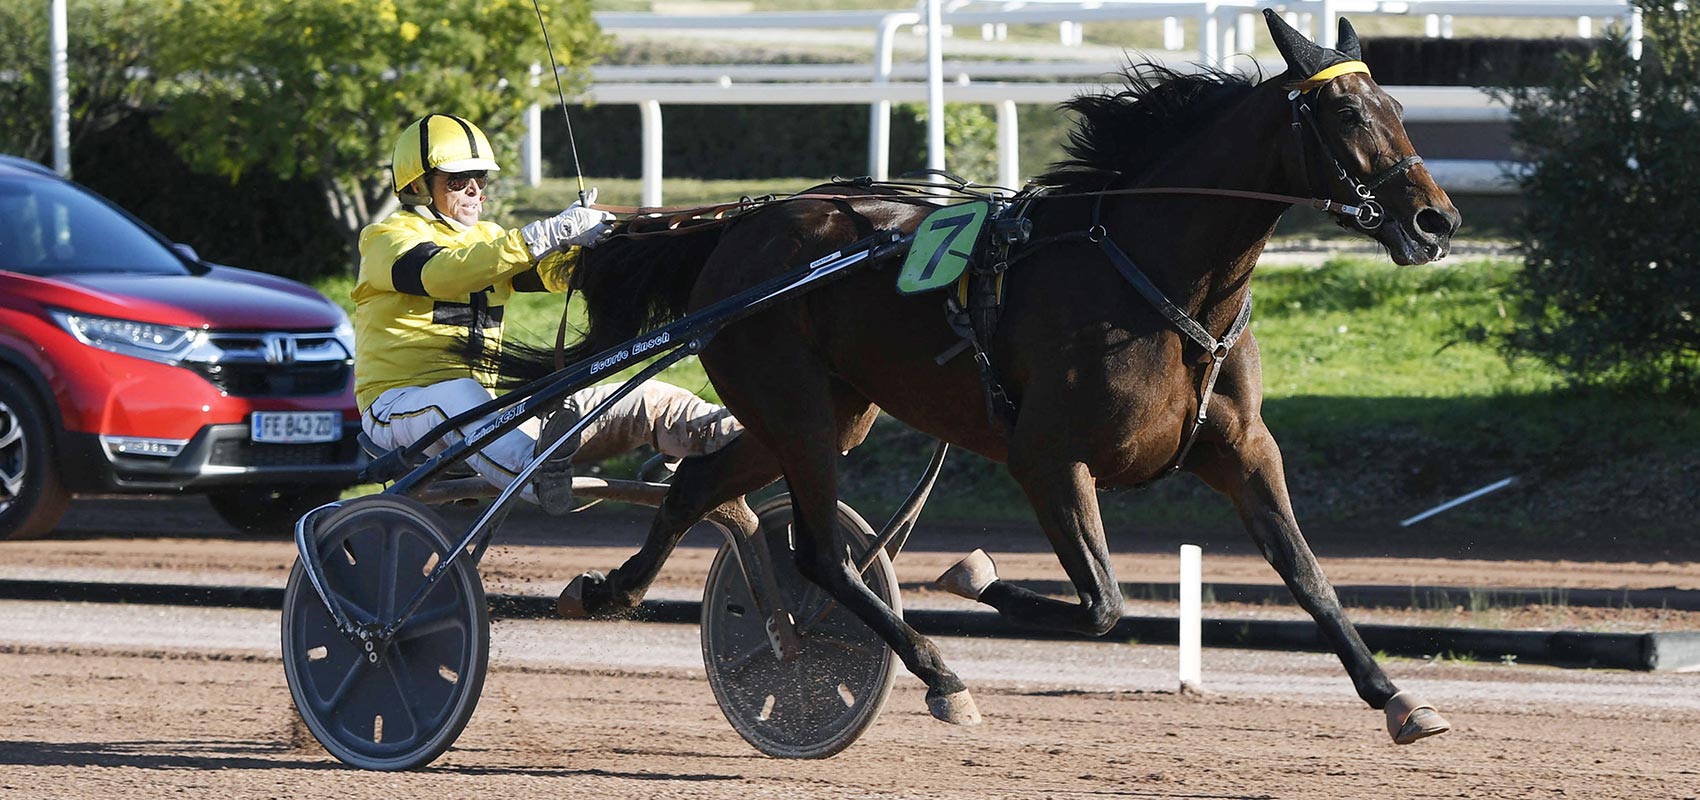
x=944 y=245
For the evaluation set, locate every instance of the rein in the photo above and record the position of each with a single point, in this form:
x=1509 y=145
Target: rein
x=671 y=218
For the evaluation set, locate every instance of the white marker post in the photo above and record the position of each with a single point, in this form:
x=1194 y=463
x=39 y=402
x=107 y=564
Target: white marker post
x=1191 y=638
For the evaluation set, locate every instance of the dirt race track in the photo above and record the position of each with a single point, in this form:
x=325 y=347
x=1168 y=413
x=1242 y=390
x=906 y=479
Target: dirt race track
x=95 y=721
x=140 y=701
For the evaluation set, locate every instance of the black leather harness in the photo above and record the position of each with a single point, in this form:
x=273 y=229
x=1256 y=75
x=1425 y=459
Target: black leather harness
x=974 y=311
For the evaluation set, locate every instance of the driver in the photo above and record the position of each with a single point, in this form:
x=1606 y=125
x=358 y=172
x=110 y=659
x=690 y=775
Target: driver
x=432 y=274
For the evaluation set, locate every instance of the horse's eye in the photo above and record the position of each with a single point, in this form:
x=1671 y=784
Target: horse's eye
x=1348 y=115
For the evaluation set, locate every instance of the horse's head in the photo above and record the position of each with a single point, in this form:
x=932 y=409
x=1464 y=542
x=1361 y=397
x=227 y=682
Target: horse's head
x=1348 y=143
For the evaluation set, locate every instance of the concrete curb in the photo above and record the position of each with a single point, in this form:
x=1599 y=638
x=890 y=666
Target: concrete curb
x=1385 y=596
x=1678 y=650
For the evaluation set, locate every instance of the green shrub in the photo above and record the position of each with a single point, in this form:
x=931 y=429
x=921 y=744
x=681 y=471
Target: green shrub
x=108 y=44
x=1611 y=281
x=715 y=141
x=317 y=90
x=258 y=222
x=970 y=140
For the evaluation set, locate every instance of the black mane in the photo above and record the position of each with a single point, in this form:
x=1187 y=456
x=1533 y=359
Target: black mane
x=1129 y=131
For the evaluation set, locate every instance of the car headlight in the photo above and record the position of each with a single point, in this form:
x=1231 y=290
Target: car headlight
x=345 y=333
x=167 y=344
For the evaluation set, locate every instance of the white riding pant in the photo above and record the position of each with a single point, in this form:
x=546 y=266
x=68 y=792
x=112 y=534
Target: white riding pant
x=672 y=420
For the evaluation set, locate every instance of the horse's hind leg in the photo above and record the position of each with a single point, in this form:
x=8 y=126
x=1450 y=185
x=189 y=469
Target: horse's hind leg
x=1251 y=475
x=806 y=417
x=1068 y=513
x=1063 y=494
x=713 y=483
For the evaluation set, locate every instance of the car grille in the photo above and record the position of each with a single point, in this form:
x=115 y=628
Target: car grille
x=241 y=453
x=275 y=380
x=273 y=364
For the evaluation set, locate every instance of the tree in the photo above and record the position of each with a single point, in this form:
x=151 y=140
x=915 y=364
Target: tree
x=1611 y=281
x=109 y=46
x=318 y=89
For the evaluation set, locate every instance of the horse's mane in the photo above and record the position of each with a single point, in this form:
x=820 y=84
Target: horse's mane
x=1129 y=131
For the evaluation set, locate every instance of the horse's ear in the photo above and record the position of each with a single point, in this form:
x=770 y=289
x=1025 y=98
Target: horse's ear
x=1304 y=57
x=1347 y=41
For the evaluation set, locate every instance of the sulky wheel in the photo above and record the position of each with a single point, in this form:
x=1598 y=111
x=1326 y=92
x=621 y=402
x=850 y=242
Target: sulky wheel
x=821 y=702
x=403 y=708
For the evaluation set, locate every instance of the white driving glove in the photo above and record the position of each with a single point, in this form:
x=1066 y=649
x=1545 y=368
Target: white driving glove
x=577 y=226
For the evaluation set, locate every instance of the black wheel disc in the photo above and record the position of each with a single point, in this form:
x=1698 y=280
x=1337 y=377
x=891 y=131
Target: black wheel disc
x=818 y=704
x=401 y=703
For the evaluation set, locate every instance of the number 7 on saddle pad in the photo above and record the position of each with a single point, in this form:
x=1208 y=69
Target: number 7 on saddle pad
x=944 y=246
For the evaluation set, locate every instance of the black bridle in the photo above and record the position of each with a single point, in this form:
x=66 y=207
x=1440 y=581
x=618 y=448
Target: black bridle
x=1370 y=211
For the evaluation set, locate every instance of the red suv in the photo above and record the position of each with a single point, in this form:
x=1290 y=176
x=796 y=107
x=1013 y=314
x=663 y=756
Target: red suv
x=127 y=364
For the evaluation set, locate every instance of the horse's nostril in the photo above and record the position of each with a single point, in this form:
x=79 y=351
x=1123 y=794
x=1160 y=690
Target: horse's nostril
x=1433 y=221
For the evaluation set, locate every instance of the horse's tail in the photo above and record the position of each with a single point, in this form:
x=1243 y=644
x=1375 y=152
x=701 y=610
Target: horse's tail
x=630 y=284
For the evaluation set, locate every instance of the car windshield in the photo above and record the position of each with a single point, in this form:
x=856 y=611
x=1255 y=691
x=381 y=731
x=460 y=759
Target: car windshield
x=53 y=228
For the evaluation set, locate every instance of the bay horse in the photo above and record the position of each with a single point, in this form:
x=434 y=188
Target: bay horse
x=1106 y=386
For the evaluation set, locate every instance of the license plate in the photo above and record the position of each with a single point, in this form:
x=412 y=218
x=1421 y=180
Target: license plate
x=296 y=427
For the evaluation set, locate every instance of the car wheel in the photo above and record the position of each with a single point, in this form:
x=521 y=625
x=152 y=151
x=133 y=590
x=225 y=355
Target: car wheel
x=270 y=510
x=31 y=497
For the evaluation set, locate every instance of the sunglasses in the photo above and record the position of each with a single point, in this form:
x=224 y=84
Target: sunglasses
x=457 y=181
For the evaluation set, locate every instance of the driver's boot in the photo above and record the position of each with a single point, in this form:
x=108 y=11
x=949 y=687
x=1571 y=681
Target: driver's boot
x=553 y=481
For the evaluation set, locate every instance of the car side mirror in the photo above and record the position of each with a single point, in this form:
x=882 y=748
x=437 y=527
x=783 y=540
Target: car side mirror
x=186 y=252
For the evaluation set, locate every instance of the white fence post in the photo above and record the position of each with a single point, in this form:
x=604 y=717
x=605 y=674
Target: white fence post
x=1009 y=146
x=1191 y=638
x=531 y=155
x=935 y=87
x=1070 y=33
x=1634 y=21
x=1174 y=35
x=531 y=149
x=649 y=111
x=1209 y=38
x=879 y=113
x=60 y=82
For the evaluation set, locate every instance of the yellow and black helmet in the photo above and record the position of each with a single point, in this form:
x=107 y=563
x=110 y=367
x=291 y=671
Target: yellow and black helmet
x=439 y=142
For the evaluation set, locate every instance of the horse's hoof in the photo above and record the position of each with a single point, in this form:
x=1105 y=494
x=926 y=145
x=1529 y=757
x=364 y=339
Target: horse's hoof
x=956 y=708
x=1410 y=719
x=970 y=576
x=574 y=602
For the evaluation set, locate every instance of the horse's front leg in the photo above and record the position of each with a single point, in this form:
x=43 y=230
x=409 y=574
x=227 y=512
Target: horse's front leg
x=711 y=485
x=1063 y=495
x=1250 y=473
